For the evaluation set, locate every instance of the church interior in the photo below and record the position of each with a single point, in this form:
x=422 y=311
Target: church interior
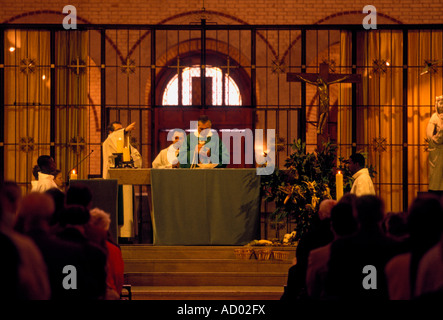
x=68 y=71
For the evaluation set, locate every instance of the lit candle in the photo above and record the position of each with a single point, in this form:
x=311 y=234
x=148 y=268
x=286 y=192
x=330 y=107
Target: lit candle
x=339 y=185
x=119 y=145
x=126 y=157
x=73 y=175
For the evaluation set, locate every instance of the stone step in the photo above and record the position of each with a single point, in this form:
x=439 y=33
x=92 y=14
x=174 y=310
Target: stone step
x=205 y=265
x=278 y=279
x=207 y=292
x=190 y=252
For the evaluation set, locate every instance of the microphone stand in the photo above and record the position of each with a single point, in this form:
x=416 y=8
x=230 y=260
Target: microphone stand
x=78 y=163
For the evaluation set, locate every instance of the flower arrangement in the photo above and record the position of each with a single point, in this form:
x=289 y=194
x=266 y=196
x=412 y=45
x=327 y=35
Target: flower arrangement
x=308 y=178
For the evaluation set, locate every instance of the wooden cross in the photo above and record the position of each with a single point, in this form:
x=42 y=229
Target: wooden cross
x=77 y=66
x=322 y=80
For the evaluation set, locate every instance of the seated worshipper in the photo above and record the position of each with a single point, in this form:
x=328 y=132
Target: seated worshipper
x=348 y=277
x=59 y=200
x=319 y=235
x=343 y=224
x=434 y=133
x=165 y=159
x=12 y=195
x=98 y=228
x=79 y=194
x=45 y=167
x=362 y=180
x=30 y=275
x=35 y=213
x=200 y=146
x=430 y=273
x=425 y=225
x=74 y=220
x=9 y=276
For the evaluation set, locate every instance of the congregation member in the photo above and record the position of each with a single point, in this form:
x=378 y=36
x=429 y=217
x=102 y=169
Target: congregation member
x=369 y=246
x=22 y=267
x=425 y=225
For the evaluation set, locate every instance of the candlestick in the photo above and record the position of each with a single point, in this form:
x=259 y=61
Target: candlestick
x=126 y=156
x=73 y=175
x=119 y=145
x=339 y=185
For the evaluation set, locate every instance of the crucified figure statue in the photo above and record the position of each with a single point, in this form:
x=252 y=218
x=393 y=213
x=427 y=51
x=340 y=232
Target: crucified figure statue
x=323 y=96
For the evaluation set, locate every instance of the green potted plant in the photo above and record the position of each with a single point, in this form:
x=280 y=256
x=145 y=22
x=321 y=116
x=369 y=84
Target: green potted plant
x=308 y=178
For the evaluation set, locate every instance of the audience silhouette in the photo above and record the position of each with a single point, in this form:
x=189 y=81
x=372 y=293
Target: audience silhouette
x=42 y=233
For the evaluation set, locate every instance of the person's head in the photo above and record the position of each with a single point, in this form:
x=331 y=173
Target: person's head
x=12 y=195
x=351 y=199
x=394 y=225
x=325 y=207
x=10 y=199
x=204 y=125
x=370 y=211
x=425 y=220
x=356 y=162
x=74 y=215
x=59 y=200
x=343 y=222
x=178 y=138
x=46 y=164
x=79 y=194
x=97 y=228
x=35 y=212
x=100 y=219
x=58 y=178
x=114 y=126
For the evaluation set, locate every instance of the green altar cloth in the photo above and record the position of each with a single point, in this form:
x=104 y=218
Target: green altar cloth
x=205 y=206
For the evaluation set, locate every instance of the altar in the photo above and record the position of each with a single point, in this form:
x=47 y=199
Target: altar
x=200 y=206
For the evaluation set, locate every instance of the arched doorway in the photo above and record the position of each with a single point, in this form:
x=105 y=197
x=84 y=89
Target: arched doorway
x=224 y=95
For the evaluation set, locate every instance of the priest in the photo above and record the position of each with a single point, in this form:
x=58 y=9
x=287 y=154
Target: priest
x=167 y=158
x=203 y=146
x=116 y=142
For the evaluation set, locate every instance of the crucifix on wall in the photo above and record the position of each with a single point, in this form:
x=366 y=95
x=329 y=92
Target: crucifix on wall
x=322 y=80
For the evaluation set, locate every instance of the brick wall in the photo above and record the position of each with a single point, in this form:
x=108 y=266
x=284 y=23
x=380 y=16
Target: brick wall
x=247 y=11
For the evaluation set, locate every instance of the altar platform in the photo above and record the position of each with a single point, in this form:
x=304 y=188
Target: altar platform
x=203 y=273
